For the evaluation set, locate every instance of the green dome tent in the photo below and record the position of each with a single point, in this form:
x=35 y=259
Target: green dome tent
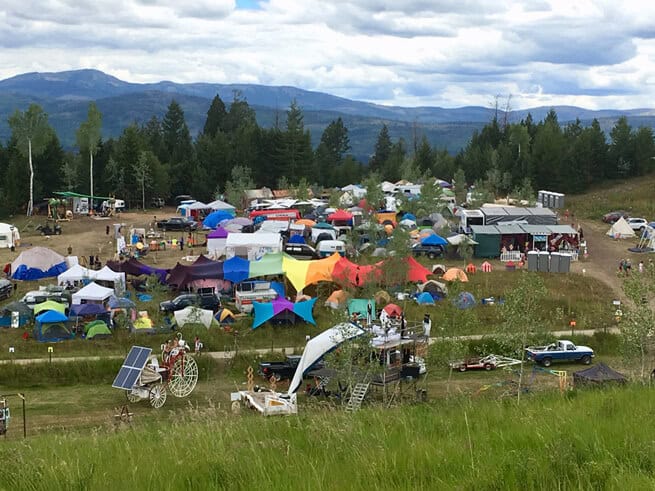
x=96 y=328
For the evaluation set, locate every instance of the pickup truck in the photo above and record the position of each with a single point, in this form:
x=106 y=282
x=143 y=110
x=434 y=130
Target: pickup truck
x=562 y=350
x=205 y=301
x=283 y=370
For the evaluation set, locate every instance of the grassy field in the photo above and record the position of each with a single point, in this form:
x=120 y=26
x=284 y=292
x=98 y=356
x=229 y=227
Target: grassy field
x=632 y=195
x=584 y=440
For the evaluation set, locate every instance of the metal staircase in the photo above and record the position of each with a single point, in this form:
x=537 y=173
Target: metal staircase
x=356 y=397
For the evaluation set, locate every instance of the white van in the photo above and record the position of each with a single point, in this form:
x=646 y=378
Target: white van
x=326 y=248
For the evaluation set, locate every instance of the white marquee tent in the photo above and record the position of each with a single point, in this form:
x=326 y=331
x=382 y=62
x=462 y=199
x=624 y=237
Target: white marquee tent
x=73 y=274
x=92 y=293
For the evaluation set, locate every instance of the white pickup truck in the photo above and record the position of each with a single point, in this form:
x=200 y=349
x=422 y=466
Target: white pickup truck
x=562 y=350
x=248 y=292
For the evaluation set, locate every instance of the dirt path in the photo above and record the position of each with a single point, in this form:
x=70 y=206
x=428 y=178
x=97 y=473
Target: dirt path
x=604 y=256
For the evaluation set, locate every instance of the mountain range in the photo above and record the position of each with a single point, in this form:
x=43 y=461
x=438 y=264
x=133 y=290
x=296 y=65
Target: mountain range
x=65 y=96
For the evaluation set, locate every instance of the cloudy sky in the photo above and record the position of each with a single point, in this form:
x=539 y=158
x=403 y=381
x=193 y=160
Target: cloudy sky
x=450 y=53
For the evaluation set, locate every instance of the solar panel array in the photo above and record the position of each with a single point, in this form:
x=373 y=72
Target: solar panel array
x=132 y=366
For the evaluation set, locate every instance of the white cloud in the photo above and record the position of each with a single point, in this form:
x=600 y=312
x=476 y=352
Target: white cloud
x=417 y=52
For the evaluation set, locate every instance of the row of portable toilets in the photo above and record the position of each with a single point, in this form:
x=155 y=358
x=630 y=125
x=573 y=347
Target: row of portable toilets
x=549 y=262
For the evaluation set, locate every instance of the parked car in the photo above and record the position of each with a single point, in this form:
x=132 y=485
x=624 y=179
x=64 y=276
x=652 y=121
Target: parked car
x=6 y=289
x=301 y=251
x=209 y=301
x=613 y=216
x=562 y=350
x=431 y=251
x=177 y=223
x=638 y=224
x=49 y=230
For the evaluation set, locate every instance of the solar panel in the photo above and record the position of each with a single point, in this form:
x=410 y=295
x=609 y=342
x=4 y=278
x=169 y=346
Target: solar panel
x=131 y=369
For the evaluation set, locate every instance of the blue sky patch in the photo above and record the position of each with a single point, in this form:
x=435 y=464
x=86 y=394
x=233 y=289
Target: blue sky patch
x=247 y=4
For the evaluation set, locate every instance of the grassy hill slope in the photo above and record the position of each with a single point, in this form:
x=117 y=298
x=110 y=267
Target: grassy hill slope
x=586 y=440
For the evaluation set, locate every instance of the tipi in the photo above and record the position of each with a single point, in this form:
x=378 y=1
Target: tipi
x=621 y=230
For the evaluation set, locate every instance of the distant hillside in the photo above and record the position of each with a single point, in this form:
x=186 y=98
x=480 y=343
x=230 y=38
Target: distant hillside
x=65 y=96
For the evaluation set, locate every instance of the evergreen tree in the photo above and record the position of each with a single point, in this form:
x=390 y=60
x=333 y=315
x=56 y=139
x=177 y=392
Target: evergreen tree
x=216 y=116
x=382 y=151
x=621 y=152
x=331 y=151
x=423 y=159
x=180 y=155
x=296 y=151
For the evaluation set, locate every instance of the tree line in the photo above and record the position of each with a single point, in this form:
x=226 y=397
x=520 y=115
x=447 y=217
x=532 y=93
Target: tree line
x=161 y=158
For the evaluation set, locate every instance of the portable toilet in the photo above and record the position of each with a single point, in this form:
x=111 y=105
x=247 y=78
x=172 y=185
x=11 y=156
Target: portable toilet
x=565 y=263
x=543 y=262
x=533 y=258
x=555 y=262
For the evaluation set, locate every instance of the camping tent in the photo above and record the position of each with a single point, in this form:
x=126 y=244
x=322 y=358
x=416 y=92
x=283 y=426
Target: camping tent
x=621 y=230
x=109 y=275
x=22 y=310
x=9 y=236
x=49 y=305
x=37 y=263
x=92 y=293
x=319 y=346
x=360 y=306
x=214 y=218
x=216 y=242
x=225 y=316
x=283 y=309
x=337 y=299
x=425 y=299
x=87 y=309
x=458 y=239
x=434 y=288
x=455 y=274
x=393 y=310
x=96 y=328
x=51 y=326
x=434 y=240
x=598 y=374
x=194 y=315
x=222 y=206
x=464 y=300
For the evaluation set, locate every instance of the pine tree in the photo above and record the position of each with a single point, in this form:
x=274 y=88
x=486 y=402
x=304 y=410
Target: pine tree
x=216 y=116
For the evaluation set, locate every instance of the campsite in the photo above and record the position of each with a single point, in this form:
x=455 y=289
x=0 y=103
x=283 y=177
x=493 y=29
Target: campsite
x=72 y=339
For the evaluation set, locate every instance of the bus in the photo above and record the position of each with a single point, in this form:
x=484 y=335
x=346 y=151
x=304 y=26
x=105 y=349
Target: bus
x=284 y=214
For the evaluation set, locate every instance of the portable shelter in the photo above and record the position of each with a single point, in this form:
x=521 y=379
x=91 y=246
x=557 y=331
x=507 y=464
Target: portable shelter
x=214 y=218
x=597 y=375
x=486 y=267
x=337 y=299
x=49 y=305
x=434 y=240
x=37 y=263
x=425 y=299
x=216 y=242
x=252 y=246
x=283 y=310
x=465 y=300
x=340 y=216
x=393 y=310
x=24 y=313
x=621 y=230
x=51 y=327
x=416 y=272
x=434 y=288
x=225 y=316
x=218 y=205
x=359 y=307
x=9 y=236
x=87 y=309
x=92 y=293
x=96 y=329
x=135 y=268
x=109 y=275
x=317 y=347
x=74 y=274
x=193 y=315
x=458 y=239
x=455 y=274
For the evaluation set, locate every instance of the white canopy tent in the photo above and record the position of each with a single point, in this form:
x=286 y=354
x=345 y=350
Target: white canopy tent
x=73 y=274
x=319 y=346
x=92 y=293
x=107 y=274
x=252 y=246
x=221 y=205
x=194 y=315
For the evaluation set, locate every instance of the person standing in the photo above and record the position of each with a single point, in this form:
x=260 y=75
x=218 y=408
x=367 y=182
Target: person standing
x=641 y=266
x=427 y=325
x=182 y=243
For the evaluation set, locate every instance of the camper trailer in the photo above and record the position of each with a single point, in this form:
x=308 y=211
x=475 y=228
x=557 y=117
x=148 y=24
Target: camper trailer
x=9 y=236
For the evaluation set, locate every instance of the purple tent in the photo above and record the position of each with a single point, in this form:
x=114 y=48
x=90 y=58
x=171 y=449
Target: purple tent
x=135 y=268
x=202 y=269
x=218 y=233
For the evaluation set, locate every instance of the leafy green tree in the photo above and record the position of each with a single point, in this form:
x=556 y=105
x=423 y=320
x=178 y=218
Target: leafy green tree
x=637 y=325
x=32 y=133
x=142 y=171
x=374 y=194
x=88 y=138
x=235 y=188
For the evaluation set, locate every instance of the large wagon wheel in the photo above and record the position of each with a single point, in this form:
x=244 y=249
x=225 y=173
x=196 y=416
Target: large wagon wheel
x=132 y=397
x=183 y=376
x=157 y=395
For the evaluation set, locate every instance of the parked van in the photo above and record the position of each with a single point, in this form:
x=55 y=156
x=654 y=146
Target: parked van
x=326 y=248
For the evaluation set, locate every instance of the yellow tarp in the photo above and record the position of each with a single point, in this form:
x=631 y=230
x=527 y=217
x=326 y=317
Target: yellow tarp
x=296 y=271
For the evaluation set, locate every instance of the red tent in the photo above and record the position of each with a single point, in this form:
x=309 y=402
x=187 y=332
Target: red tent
x=346 y=272
x=417 y=273
x=393 y=310
x=340 y=216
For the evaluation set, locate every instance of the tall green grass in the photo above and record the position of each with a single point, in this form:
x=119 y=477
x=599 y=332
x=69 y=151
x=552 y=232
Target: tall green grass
x=587 y=440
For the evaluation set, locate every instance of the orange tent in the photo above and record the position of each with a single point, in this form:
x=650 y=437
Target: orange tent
x=306 y=222
x=338 y=299
x=454 y=274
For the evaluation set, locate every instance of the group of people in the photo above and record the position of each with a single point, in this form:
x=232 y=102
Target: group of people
x=625 y=266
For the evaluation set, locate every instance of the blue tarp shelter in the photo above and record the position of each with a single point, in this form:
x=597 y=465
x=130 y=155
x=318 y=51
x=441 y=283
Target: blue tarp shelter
x=214 y=218
x=434 y=240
